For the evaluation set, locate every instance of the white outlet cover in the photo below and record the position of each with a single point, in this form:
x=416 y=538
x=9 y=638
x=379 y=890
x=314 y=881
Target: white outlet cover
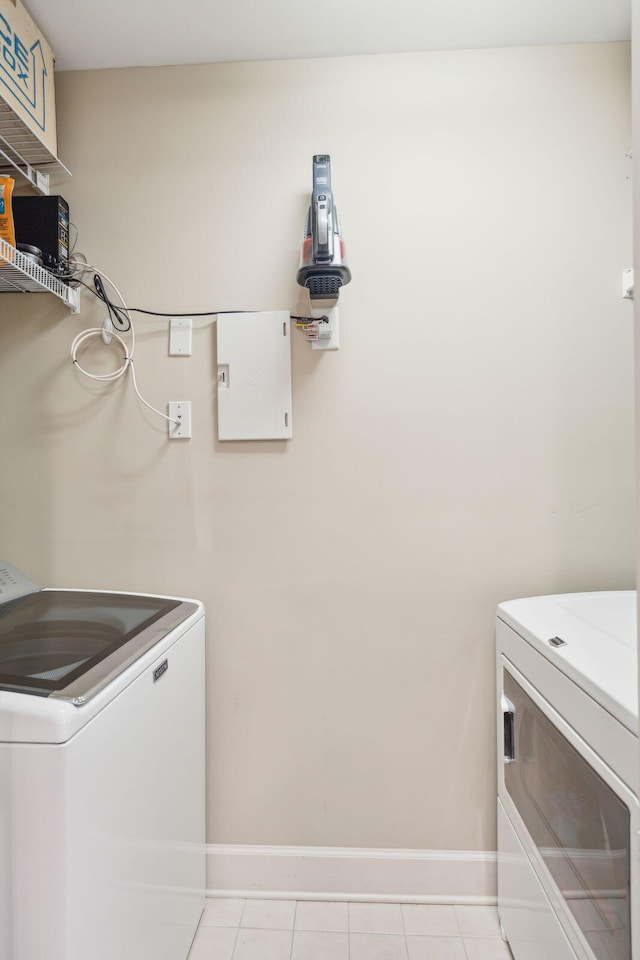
x=180 y=329
x=180 y=410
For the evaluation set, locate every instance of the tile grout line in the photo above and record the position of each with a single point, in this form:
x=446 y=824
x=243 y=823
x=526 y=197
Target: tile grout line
x=295 y=913
x=404 y=933
x=238 y=928
x=464 y=946
x=244 y=906
x=235 y=941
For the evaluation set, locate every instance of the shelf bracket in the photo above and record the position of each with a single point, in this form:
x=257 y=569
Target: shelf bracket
x=73 y=299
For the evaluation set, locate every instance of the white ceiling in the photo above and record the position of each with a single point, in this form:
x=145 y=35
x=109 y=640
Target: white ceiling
x=87 y=34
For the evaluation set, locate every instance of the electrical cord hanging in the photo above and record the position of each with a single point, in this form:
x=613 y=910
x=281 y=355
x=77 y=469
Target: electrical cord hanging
x=73 y=232
x=127 y=364
x=186 y=313
x=206 y=313
x=118 y=319
x=84 y=336
x=81 y=267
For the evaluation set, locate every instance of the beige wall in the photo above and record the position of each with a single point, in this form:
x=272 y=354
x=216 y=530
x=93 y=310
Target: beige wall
x=635 y=46
x=471 y=441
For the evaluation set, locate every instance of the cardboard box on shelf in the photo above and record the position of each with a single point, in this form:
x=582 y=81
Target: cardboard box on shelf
x=27 y=94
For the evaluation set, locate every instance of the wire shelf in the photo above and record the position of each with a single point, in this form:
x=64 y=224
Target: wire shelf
x=22 y=153
x=19 y=274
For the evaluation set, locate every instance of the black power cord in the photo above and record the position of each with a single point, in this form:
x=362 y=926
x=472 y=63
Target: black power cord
x=206 y=313
x=121 y=321
x=118 y=317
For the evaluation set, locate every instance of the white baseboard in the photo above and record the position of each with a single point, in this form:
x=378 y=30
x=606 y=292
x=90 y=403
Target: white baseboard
x=344 y=873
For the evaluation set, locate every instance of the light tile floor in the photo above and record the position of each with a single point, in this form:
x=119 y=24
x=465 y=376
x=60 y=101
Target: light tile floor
x=314 y=930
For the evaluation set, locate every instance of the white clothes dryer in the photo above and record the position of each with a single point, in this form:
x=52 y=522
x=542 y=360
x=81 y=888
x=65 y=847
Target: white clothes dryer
x=102 y=816
x=568 y=816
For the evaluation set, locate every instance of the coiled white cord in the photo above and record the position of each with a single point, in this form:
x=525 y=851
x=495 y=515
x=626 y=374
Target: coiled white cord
x=107 y=334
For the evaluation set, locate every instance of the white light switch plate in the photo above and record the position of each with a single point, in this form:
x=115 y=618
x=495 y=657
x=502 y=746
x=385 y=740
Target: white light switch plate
x=180 y=337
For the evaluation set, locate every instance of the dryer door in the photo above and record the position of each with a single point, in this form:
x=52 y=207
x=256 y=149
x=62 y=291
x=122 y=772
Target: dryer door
x=578 y=823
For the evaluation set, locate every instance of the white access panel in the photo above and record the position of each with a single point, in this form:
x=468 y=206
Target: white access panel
x=254 y=376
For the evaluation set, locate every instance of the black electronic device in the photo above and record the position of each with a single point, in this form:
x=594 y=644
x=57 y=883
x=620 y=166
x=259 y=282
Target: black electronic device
x=43 y=222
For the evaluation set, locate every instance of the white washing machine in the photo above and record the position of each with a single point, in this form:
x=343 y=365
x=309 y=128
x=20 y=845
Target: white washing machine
x=102 y=816
x=568 y=820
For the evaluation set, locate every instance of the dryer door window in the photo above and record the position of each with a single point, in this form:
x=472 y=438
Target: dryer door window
x=579 y=825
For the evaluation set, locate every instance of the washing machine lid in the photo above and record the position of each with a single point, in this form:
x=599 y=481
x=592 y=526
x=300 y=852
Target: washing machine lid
x=69 y=644
x=591 y=637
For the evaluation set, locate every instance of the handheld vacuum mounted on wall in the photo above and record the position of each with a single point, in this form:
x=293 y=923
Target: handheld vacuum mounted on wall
x=322 y=263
